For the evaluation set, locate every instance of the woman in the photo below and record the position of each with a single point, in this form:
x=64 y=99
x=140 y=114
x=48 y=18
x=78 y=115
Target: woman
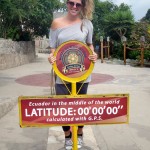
x=76 y=25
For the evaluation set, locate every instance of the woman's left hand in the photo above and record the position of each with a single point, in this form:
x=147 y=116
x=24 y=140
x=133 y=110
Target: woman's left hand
x=93 y=57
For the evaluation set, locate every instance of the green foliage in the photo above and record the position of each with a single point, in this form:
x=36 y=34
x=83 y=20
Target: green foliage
x=147 y=54
x=147 y=16
x=135 y=54
x=140 y=29
x=25 y=19
x=101 y=9
x=120 y=22
x=118 y=50
x=112 y=20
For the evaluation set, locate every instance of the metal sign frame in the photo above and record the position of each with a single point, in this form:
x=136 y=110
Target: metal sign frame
x=62 y=97
x=77 y=78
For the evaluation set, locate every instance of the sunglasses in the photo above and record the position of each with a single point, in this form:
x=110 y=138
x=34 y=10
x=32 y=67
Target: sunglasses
x=72 y=4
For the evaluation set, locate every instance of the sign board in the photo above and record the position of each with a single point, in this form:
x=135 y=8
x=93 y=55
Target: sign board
x=72 y=62
x=73 y=110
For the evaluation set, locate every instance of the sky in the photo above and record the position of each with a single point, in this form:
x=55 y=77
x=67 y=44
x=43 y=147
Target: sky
x=139 y=8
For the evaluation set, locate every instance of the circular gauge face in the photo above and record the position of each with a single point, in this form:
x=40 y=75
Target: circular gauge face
x=72 y=62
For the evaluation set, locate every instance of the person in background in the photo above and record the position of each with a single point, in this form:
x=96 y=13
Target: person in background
x=75 y=25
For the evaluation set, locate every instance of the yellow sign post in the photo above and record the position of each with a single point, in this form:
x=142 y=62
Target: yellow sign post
x=72 y=65
x=74 y=128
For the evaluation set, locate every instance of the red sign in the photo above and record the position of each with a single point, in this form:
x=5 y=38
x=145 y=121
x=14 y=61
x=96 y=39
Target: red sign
x=72 y=59
x=73 y=110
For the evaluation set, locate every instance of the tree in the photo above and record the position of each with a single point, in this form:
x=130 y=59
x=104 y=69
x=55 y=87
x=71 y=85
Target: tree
x=119 y=22
x=147 y=16
x=25 y=19
x=102 y=9
x=140 y=29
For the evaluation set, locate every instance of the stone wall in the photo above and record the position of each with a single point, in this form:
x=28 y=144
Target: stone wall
x=13 y=53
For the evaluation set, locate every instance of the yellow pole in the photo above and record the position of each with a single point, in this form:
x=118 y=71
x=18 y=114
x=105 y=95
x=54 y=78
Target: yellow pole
x=73 y=91
x=74 y=128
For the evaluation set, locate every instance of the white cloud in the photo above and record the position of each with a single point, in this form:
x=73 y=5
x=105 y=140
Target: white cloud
x=139 y=7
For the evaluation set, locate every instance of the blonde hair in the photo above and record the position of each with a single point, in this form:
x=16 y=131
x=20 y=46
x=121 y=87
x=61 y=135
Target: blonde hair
x=88 y=8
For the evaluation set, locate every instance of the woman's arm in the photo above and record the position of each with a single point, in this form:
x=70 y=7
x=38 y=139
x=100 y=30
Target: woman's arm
x=53 y=39
x=92 y=57
x=51 y=57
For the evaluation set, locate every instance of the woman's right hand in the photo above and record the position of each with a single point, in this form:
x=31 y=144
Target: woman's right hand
x=51 y=58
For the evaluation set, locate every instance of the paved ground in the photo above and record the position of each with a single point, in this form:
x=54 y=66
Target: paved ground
x=32 y=80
